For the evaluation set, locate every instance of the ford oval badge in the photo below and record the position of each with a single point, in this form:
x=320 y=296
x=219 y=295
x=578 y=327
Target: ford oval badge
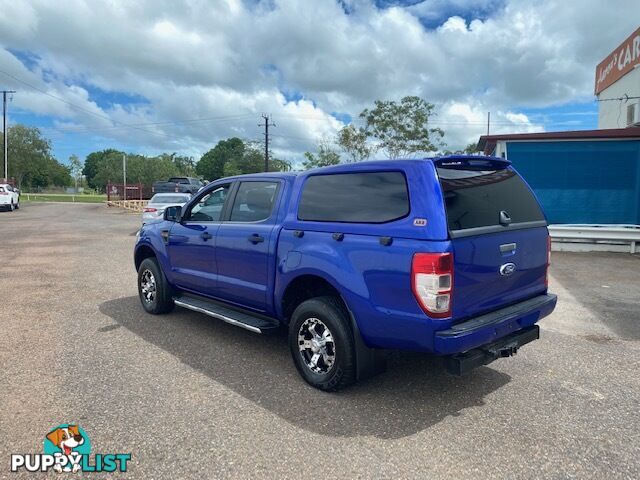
x=507 y=269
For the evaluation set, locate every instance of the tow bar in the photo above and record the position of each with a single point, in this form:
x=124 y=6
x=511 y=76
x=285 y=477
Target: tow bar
x=462 y=363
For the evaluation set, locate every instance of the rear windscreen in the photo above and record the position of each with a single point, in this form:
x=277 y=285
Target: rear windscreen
x=475 y=198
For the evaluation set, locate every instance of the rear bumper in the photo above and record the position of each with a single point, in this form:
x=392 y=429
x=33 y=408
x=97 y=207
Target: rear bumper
x=489 y=328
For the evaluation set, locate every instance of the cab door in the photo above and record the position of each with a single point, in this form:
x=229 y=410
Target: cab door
x=245 y=244
x=191 y=242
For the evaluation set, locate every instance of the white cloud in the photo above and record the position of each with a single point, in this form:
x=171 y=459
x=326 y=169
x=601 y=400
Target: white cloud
x=229 y=61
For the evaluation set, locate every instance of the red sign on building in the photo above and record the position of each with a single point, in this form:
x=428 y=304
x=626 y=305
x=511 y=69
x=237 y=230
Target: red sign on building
x=619 y=62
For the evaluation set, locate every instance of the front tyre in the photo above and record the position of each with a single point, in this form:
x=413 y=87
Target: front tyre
x=153 y=289
x=322 y=344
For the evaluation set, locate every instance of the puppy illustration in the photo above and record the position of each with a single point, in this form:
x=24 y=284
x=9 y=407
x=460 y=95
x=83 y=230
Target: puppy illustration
x=66 y=439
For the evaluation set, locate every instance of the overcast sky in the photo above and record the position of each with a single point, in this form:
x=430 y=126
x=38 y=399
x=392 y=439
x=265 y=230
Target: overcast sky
x=177 y=76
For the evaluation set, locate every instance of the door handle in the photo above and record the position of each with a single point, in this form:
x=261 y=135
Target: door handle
x=206 y=236
x=255 y=238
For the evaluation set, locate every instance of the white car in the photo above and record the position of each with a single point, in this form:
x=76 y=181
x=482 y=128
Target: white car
x=154 y=210
x=9 y=198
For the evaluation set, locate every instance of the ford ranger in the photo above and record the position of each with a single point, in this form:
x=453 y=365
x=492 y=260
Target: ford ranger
x=448 y=256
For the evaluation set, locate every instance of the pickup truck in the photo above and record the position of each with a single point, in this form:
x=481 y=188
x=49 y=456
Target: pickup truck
x=178 y=185
x=448 y=256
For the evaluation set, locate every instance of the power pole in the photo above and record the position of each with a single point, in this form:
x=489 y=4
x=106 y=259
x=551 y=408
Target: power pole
x=4 y=131
x=266 y=125
x=124 y=175
x=488 y=121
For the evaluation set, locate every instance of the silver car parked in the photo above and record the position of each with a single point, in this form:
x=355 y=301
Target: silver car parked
x=154 y=211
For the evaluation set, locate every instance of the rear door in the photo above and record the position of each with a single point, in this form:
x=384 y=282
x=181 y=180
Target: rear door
x=245 y=242
x=498 y=232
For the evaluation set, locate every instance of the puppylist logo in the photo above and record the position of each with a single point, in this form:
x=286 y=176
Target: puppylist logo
x=67 y=448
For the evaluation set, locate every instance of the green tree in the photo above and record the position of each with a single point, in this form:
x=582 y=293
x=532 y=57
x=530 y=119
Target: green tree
x=185 y=165
x=30 y=159
x=251 y=161
x=402 y=129
x=212 y=164
x=325 y=156
x=95 y=162
x=75 y=167
x=468 y=150
x=147 y=170
x=279 y=165
x=140 y=169
x=353 y=142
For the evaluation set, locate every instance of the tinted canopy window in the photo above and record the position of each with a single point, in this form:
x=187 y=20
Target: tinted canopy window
x=355 y=197
x=475 y=198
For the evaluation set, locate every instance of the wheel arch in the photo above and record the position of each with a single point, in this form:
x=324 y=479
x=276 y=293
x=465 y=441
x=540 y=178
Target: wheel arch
x=142 y=252
x=369 y=361
x=304 y=287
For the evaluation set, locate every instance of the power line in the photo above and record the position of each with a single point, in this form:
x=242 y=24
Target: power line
x=64 y=131
x=266 y=125
x=78 y=107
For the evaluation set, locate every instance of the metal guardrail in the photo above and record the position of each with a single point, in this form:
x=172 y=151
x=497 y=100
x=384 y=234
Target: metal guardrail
x=598 y=233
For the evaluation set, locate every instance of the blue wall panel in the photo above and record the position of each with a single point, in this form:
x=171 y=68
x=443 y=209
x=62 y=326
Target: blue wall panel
x=582 y=181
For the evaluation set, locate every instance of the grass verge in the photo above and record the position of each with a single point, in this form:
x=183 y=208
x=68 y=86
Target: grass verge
x=62 y=197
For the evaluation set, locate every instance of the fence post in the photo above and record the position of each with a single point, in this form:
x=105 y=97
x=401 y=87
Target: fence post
x=109 y=191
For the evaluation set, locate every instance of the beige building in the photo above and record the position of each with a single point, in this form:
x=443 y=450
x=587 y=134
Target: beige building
x=617 y=85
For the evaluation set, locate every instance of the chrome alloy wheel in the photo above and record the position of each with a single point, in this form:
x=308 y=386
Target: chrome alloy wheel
x=148 y=286
x=316 y=345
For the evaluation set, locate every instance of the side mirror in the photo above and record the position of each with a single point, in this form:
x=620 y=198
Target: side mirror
x=173 y=213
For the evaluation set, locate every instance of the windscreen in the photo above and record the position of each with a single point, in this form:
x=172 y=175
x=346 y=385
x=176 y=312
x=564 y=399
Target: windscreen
x=178 y=180
x=476 y=198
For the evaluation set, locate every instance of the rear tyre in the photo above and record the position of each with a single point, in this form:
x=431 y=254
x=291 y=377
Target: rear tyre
x=322 y=344
x=153 y=288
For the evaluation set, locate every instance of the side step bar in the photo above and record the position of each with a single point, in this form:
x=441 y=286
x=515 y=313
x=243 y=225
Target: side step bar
x=252 y=322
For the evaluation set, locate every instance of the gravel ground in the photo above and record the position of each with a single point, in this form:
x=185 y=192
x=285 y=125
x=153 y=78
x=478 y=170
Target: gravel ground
x=192 y=397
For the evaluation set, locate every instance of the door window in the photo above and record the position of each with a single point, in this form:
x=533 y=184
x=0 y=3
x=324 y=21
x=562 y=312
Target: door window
x=209 y=207
x=254 y=201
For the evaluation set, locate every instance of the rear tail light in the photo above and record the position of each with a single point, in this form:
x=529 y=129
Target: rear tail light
x=4 y=193
x=150 y=210
x=546 y=273
x=432 y=282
